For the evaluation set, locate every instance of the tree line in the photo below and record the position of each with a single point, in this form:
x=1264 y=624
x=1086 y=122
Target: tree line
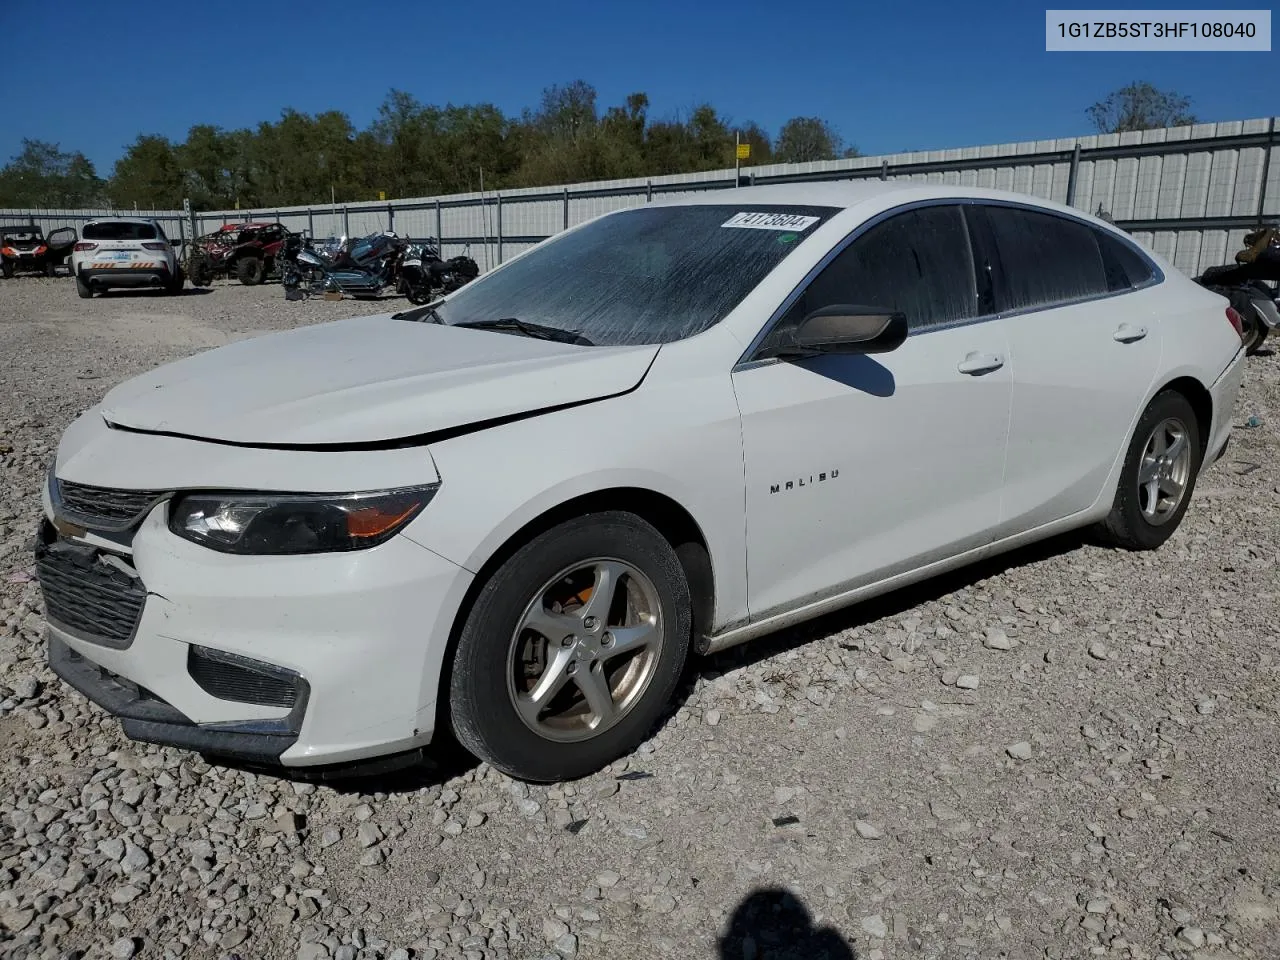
x=412 y=149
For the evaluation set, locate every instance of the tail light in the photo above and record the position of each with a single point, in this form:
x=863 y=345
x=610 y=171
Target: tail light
x=40 y=250
x=1236 y=321
x=157 y=245
x=8 y=251
x=82 y=247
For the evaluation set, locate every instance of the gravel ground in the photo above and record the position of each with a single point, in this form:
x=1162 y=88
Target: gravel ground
x=1068 y=752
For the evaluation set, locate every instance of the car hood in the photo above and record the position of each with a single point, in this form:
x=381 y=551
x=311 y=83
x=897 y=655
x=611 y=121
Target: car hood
x=365 y=381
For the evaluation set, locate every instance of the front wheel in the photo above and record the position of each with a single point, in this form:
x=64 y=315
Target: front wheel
x=1159 y=475
x=250 y=270
x=572 y=649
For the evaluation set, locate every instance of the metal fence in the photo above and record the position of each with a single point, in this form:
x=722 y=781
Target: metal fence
x=1189 y=193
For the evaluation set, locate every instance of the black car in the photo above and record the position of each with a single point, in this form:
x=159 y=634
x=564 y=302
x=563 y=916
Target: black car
x=26 y=248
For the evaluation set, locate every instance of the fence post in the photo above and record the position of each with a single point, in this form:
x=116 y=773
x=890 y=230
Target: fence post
x=884 y=169
x=346 y=221
x=648 y=191
x=1071 y=176
x=1266 y=169
x=499 y=196
x=311 y=223
x=391 y=218
x=566 y=209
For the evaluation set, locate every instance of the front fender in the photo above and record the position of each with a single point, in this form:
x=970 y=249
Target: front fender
x=496 y=482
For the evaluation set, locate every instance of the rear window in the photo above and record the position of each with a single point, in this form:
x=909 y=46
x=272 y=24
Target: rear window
x=1047 y=259
x=1126 y=267
x=118 y=230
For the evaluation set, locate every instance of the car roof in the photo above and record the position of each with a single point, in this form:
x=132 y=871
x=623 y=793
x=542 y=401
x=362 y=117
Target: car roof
x=874 y=194
x=148 y=220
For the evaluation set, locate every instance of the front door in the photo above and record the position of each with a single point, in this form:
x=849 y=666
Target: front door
x=860 y=467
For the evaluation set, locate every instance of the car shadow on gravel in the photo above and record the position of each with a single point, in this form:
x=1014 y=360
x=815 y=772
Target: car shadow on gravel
x=773 y=922
x=445 y=759
x=150 y=292
x=890 y=604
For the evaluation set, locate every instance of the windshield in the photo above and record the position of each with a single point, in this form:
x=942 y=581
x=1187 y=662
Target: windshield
x=119 y=230
x=650 y=275
x=22 y=236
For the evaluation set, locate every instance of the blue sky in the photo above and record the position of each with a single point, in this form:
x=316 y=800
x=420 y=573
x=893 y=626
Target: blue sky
x=888 y=76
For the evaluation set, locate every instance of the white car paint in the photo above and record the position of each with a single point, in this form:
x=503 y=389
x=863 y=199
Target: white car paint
x=944 y=468
x=364 y=380
x=118 y=262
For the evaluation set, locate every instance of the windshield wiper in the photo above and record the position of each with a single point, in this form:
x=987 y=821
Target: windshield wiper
x=525 y=328
x=427 y=313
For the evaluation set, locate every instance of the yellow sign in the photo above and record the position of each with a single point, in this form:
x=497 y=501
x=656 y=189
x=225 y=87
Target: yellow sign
x=744 y=151
x=382 y=194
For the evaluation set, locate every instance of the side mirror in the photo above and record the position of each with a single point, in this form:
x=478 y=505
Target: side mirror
x=846 y=328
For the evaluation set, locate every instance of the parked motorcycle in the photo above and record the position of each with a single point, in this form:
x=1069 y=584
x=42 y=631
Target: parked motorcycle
x=361 y=268
x=424 y=275
x=1251 y=285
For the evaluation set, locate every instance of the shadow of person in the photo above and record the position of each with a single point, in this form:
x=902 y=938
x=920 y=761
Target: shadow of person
x=772 y=924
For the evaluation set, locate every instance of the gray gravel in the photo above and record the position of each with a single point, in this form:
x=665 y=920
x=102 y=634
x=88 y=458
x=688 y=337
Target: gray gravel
x=1066 y=753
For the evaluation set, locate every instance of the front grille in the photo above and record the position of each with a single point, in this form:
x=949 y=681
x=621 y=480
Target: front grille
x=229 y=677
x=88 y=595
x=105 y=506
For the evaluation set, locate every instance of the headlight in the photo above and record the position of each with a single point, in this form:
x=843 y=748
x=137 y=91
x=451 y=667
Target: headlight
x=287 y=523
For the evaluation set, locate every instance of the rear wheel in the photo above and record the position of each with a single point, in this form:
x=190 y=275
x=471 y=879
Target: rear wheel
x=7 y=269
x=250 y=270
x=83 y=290
x=1159 y=475
x=49 y=268
x=175 y=283
x=572 y=649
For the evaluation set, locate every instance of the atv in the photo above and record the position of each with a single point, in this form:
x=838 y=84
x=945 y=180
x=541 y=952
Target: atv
x=25 y=248
x=246 y=251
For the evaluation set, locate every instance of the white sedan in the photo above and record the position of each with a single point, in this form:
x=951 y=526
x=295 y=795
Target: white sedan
x=516 y=512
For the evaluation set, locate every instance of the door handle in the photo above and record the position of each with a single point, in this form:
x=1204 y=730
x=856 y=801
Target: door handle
x=1127 y=333
x=976 y=364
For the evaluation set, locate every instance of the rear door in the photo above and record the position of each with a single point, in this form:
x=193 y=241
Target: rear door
x=1084 y=352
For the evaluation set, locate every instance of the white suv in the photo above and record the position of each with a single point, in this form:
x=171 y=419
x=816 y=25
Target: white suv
x=515 y=511
x=124 y=252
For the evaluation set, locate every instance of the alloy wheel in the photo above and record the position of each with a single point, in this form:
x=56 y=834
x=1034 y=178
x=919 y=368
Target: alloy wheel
x=585 y=649
x=1164 y=471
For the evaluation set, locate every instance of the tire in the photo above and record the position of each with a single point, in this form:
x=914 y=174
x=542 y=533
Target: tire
x=1133 y=522
x=491 y=673
x=7 y=269
x=83 y=290
x=1258 y=340
x=250 y=270
x=175 y=284
x=49 y=269
x=201 y=274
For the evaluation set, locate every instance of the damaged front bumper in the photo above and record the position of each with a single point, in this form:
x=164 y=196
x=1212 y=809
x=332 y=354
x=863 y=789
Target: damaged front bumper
x=309 y=661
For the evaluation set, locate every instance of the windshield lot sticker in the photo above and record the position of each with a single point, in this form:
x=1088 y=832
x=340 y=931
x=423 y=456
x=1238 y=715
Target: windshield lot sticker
x=759 y=220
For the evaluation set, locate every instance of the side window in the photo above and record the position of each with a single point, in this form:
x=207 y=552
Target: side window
x=1046 y=259
x=918 y=262
x=1125 y=267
